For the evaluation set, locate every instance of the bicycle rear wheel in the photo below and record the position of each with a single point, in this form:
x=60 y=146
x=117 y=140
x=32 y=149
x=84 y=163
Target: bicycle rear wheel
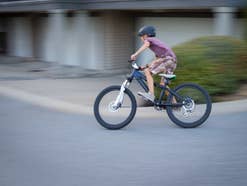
x=112 y=117
x=196 y=106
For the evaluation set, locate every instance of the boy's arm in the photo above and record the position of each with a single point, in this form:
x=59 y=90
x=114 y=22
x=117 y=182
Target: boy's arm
x=140 y=50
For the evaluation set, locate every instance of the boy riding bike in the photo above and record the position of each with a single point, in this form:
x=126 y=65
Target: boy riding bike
x=188 y=105
x=165 y=61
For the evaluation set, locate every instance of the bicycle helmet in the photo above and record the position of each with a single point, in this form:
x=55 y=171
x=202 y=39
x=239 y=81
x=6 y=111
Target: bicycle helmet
x=147 y=30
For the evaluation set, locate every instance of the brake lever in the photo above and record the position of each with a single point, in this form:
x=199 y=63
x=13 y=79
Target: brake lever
x=139 y=67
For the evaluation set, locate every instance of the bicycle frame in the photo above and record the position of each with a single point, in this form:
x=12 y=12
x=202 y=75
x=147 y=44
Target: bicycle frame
x=179 y=103
x=141 y=79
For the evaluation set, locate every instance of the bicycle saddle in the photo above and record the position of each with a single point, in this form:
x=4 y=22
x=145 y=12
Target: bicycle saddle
x=168 y=76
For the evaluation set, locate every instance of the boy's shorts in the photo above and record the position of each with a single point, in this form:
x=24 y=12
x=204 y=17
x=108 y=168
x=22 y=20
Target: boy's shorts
x=163 y=65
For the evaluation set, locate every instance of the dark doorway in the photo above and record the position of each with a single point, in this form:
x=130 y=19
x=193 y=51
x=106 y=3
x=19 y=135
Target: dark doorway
x=3 y=42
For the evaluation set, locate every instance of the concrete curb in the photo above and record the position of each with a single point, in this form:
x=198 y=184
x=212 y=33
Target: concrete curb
x=143 y=112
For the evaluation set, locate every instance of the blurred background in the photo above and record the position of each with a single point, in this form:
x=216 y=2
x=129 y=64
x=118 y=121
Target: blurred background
x=56 y=56
x=101 y=35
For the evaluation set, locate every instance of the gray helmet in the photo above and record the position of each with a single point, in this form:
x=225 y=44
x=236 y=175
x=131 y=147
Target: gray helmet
x=147 y=30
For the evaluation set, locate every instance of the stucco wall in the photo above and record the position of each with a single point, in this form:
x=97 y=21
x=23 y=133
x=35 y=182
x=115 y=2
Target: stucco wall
x=99 y=42
x=118 y=40
x=70 y=40
x=20 y=37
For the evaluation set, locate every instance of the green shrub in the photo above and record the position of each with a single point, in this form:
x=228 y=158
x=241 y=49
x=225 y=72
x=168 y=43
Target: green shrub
x=218 y=63
x=245 y=24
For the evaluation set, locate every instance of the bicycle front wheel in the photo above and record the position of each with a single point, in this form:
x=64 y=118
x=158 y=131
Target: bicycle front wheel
x=195 y=109
x=110 y=116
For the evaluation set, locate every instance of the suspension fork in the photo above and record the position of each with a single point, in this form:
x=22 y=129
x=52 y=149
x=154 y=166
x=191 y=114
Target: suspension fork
x=119 y=100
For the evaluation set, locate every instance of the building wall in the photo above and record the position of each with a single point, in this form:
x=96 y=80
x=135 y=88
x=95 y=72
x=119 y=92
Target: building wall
x=118 y=39
x=93 y=42
x=103 y=41
x=3 y=35
x=20 y=37
x=96 y=52
x=70 y=40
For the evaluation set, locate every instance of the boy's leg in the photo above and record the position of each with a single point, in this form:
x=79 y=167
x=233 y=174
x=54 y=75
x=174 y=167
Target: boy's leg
x=150 y=80
x=170 y=66
x=162 y=83
x=153 y=69
x=150 y=95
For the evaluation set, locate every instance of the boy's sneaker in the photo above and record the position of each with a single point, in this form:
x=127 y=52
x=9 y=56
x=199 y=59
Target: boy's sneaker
x=147 y=96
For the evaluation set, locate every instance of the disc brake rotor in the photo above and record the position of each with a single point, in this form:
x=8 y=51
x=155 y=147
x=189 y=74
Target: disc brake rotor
x=188 y=107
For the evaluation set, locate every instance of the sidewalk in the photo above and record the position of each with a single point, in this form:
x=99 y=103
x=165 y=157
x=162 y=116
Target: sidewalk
x=65 y=88
x=71 y=89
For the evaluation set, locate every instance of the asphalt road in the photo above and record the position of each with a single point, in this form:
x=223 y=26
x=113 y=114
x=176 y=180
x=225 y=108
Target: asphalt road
x=42 y=147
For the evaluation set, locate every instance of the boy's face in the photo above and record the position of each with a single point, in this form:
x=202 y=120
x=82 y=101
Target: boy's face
x=144 y=37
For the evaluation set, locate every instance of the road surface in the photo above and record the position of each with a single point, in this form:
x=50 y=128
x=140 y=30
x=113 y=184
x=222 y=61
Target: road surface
x=43 y=147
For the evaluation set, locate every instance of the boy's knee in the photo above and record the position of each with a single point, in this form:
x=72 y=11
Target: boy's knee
x=147 y=71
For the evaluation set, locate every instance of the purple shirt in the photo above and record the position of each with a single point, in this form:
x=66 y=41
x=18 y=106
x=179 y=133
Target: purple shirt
x=159 y=48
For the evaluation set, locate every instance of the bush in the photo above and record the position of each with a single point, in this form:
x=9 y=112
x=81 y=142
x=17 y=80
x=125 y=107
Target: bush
x=218 y=63
x=245 y=24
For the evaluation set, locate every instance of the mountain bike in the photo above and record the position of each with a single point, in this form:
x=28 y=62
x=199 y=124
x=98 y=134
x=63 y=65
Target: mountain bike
x=188 y=105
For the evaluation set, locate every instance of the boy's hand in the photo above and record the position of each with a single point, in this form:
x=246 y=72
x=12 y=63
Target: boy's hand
x=143 y=47
x=133 y=57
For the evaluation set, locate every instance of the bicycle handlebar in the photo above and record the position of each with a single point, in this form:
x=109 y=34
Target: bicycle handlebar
x=135 y=66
